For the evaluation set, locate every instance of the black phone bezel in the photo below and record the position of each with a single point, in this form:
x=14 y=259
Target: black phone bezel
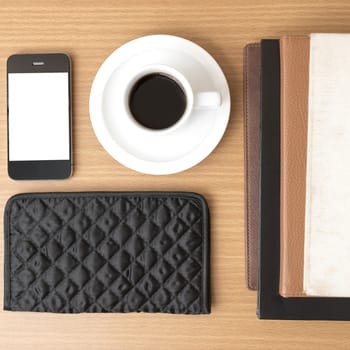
x=40 y=169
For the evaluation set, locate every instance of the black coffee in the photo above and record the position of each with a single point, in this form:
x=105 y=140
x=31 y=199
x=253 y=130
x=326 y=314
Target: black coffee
x=157 y=101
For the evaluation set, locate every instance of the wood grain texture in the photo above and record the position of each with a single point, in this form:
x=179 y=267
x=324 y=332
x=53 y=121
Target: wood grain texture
x=89 y=31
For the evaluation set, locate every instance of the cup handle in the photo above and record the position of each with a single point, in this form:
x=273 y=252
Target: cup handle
x=207 y=100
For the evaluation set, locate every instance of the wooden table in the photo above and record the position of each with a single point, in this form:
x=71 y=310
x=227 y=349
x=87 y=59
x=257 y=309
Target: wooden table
x=89 y=32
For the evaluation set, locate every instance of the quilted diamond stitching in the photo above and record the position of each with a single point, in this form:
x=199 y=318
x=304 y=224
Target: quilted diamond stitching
x=109 y=253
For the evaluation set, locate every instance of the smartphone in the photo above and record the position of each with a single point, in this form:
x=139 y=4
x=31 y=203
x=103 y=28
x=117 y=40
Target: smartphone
x=39 y=116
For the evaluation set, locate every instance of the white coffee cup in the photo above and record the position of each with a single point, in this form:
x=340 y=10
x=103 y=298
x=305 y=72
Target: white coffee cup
x=194 y=99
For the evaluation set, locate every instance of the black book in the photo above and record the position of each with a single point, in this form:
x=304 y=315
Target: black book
x=271 y=305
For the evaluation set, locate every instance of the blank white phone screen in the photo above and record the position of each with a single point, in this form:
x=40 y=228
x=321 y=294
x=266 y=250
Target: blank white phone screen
x=38 y=116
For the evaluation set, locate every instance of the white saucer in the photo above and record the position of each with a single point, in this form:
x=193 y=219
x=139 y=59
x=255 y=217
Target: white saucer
x=151 y=152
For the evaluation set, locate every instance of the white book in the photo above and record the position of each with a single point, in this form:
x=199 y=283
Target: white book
x=327 y=216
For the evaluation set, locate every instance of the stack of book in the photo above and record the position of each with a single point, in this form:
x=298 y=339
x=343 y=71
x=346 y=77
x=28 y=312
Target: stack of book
x=297 y=152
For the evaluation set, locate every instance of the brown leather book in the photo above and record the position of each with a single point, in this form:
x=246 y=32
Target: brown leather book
x=251 y=71
x=295 y=52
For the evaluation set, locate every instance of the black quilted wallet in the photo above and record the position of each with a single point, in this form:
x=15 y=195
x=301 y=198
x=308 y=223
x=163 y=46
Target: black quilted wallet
x=107 y=252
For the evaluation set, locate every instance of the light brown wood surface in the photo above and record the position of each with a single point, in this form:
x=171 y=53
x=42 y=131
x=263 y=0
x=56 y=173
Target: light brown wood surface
x=89 y=31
